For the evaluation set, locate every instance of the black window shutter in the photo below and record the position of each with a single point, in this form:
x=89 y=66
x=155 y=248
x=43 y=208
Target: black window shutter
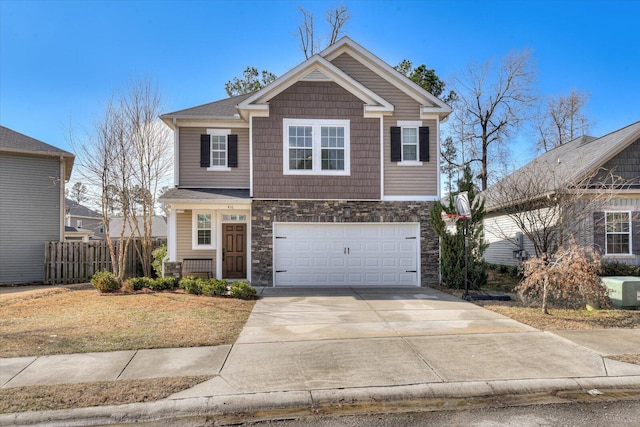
x=232 y=159
x=424 y=143
x=396 y=144
x=598 y=232
x=205 y=151
x=635 y=232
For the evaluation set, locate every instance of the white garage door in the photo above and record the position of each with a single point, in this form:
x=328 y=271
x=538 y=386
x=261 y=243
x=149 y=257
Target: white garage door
x=360 y=254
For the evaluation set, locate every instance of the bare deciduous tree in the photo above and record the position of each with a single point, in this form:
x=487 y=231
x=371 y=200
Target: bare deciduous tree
x=150 y=143
x=124 y=159
x=561 y=120
x=309 y=41
x=552 y=209
x=493 y=103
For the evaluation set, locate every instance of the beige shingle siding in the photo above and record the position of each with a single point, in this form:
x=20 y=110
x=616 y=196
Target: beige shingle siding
x=398 y=180
x=30 y=214
x=184 y=240
x=316 y=100
x=192 y=175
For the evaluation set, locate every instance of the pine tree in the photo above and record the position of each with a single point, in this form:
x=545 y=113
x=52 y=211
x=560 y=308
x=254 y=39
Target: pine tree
x=452 y=251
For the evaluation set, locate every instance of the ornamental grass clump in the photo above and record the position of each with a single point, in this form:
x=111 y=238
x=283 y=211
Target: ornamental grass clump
x=570 y=278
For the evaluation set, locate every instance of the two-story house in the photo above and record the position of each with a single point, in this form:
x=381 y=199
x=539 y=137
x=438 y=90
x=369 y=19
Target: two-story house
x=325 y=177
x=32 y=181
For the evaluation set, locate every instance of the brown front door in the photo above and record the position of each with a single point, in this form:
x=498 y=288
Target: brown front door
x=234 y=251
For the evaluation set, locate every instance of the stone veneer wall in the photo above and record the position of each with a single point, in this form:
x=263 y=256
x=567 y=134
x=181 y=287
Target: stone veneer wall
x=265 y=212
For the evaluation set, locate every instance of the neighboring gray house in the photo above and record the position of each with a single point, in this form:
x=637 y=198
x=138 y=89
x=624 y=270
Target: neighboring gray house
x=32 y=180
x=325 y=177
x=158 y=227
x=82 y=219
x=613 y=228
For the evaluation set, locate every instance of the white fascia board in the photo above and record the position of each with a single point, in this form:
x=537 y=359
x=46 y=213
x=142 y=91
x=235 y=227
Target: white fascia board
x=221 y=204
x=410 y=198
x=211 y=123
x=384 y=70
x=373 y=100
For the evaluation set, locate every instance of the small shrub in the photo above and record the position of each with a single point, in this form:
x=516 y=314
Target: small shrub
x=617 y=268
x=164 y=283
x=569 y=279
x=215 y=287
x=192 y=285
x=127 y=287
x=139 y=283
x=242 y=290
x=158 y=256
x=105 y=281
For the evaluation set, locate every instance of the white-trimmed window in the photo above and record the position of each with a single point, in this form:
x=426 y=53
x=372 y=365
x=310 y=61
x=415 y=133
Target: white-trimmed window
x=618 y=233
x=410 y=142
x=78 y=223
x=219 y=148
x=316 y=147
x=203 y=230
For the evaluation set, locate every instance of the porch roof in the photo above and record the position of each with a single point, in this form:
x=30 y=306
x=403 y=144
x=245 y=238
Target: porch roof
x=203 y=195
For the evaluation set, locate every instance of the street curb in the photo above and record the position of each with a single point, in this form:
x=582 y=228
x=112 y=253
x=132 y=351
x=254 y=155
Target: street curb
x=288 y=400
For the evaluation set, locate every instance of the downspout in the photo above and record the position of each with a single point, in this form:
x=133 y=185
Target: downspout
x=62 y=199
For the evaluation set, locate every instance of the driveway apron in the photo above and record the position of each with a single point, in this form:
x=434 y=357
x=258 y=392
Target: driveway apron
x=314 y=339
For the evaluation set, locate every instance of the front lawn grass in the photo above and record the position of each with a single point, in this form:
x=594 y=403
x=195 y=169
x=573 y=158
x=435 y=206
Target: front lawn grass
x=67 y=320
x=81 y=320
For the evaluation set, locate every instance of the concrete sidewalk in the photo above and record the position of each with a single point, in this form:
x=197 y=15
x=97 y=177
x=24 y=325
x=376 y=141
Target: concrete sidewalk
x=305 y=347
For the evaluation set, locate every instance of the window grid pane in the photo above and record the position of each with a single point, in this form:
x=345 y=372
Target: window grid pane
x=218 y=150
x=409 y=144
x=300 y=159
x=618 y=230
x=204 y=229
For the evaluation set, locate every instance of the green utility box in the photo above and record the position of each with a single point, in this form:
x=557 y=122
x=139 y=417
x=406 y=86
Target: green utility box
x=624 y=291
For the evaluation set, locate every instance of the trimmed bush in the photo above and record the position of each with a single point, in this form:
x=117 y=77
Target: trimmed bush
x=215 y=287
x=140 y=282
x=192 y=285
x=105 y=281
x=242 y=290
x=164 y=283
x=617 y=268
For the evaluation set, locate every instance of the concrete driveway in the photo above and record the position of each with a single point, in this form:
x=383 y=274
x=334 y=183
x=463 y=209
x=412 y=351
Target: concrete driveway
x=307 y=339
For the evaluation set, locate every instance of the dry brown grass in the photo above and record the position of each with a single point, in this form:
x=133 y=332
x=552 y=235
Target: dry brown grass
x=67 y=320
x=562 y=319
x=67 y=396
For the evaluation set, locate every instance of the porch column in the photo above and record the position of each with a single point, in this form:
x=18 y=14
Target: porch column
x=172 y=228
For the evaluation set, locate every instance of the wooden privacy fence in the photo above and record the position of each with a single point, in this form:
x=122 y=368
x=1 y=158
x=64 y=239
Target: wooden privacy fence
x=76 y=262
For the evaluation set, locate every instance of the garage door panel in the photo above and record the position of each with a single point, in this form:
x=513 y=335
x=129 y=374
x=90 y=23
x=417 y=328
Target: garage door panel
x=346 y=254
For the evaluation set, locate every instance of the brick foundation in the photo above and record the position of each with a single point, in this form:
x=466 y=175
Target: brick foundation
x=266 y=212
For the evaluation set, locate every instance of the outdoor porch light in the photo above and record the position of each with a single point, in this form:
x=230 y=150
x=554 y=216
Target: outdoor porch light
x=346 y=212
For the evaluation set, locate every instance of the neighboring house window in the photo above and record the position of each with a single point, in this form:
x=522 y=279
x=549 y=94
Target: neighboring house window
x=78 y=223
x=203 y=230
x=409 y=143
x=218 y=150
x=618 y=233
x=316 y=147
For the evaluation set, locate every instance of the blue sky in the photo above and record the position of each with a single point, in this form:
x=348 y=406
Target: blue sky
x=61 y=60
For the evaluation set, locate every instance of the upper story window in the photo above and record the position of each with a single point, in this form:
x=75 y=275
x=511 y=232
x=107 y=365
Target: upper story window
x=218 y=150
x=618 y=233
x=78 y=223
x=409 y=143
x=316 y=147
